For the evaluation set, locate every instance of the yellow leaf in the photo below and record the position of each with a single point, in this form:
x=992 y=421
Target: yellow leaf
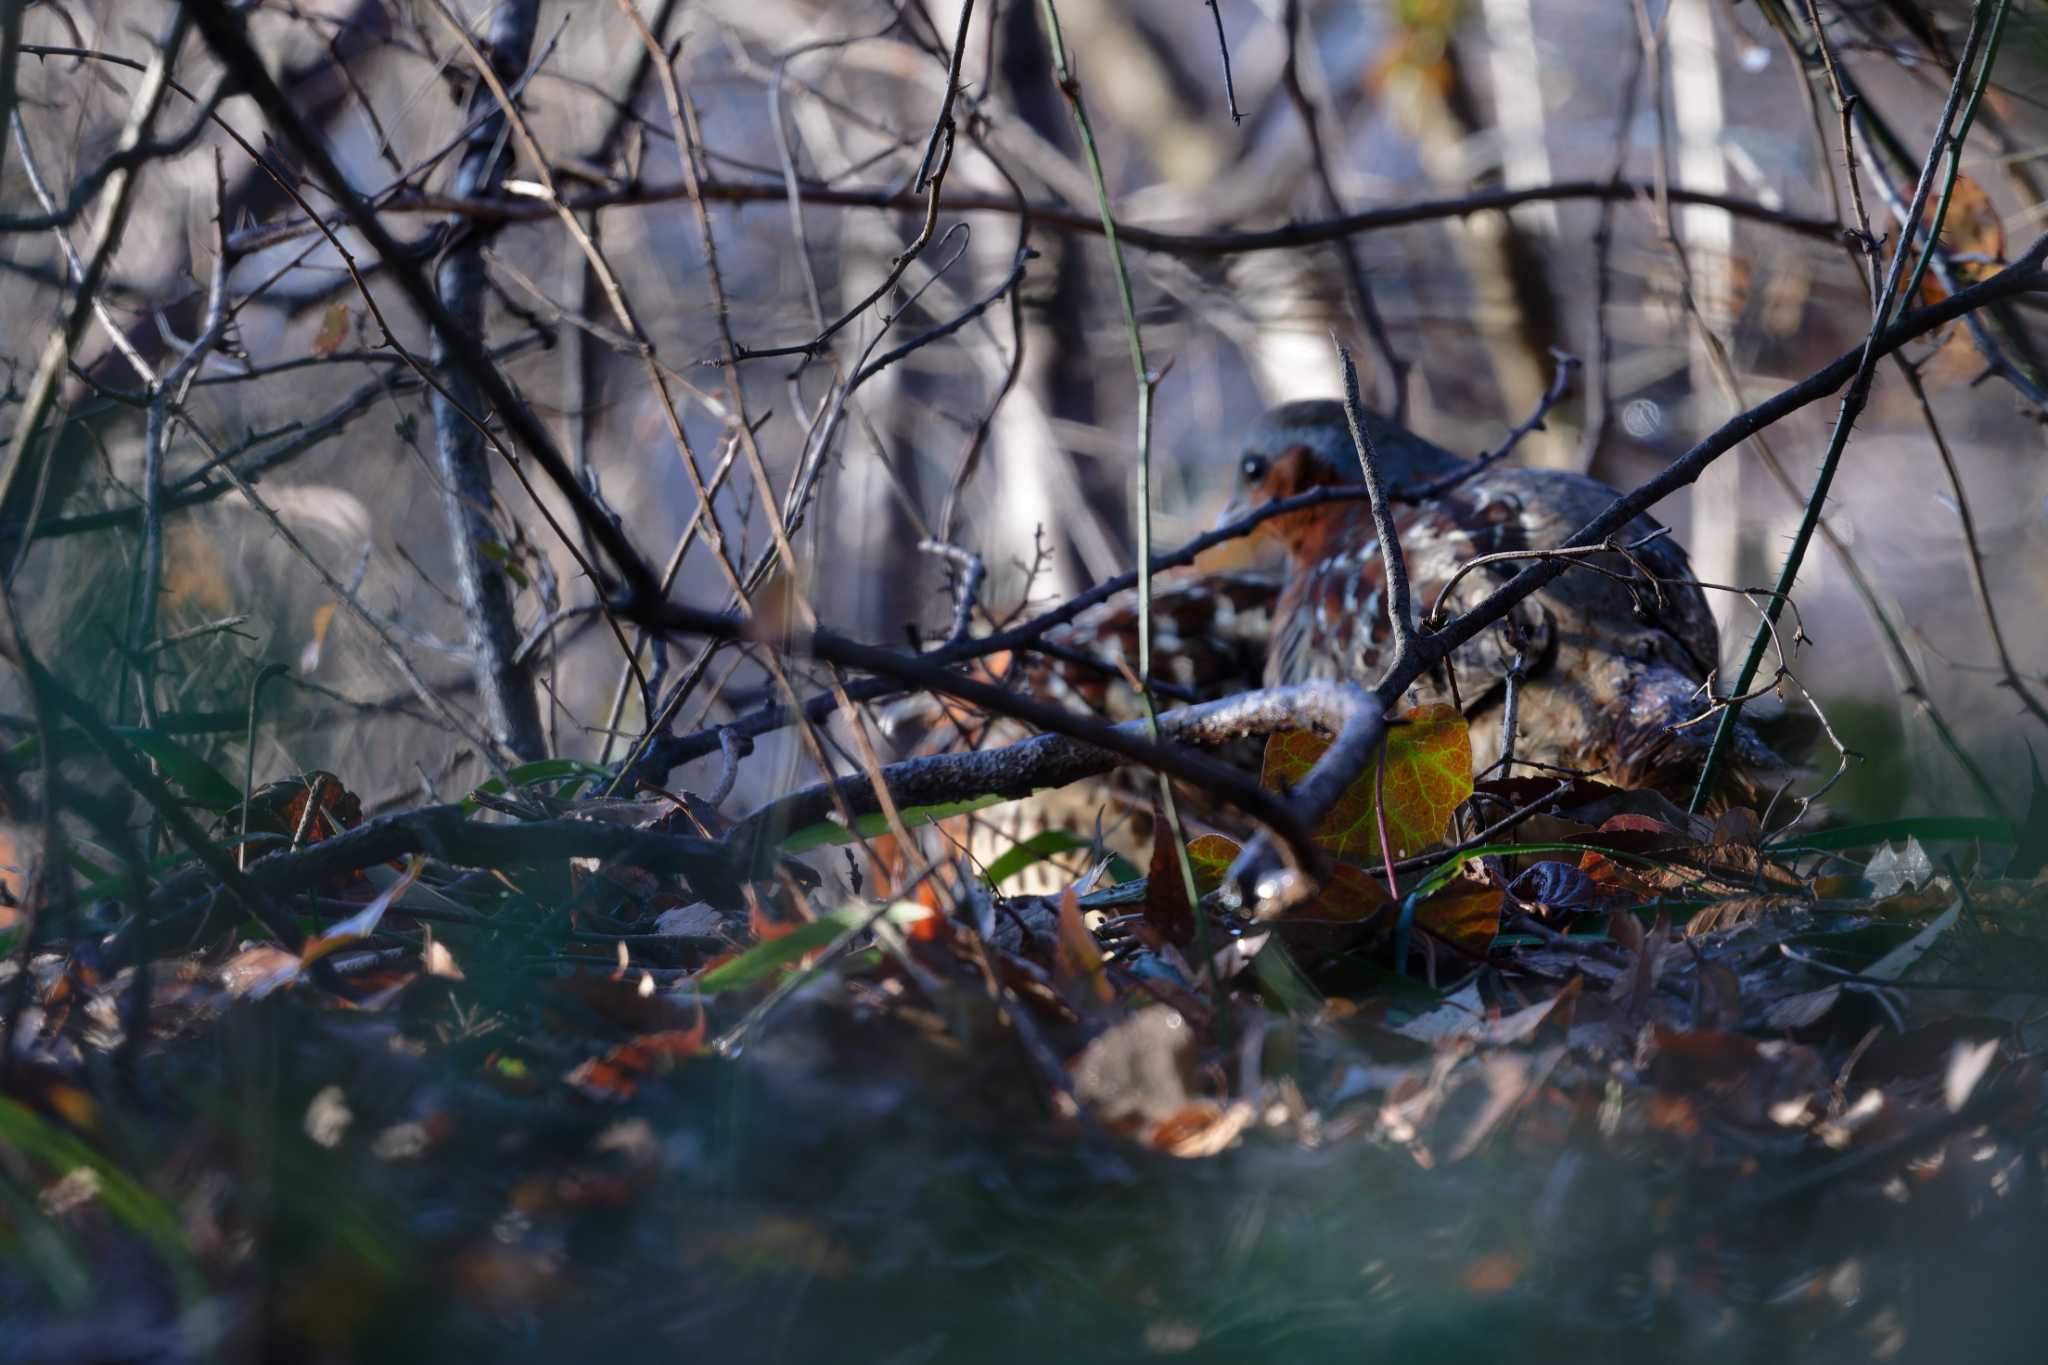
x=333 y=330
x=1428 y=775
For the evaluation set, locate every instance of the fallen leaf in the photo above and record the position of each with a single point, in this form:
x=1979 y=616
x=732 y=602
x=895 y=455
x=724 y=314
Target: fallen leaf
x=1893 y=870
x=1467 y=919
x=1334 y=919
x=439 y=961
x=1736 y=912
x=1167 y=908
x=364 y=922
x=1899 y=960
x=258 y=971
x=1523 y=1024
x=616 y=1075
x=1139 y=1072
x=1496 y=1272
x=316 y=638
x=1211 y=856
x=1457 y=1014
x=1428 y=775
x=1738 y=827
x=1802 y=1010
x=1556 y=888
x=1202 y=1129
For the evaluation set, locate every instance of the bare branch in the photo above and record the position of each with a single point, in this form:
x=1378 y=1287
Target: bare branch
x=1293 y=236
x=1400 y=609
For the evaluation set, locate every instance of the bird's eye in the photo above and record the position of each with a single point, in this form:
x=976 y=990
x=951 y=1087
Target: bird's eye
x=1254 y=468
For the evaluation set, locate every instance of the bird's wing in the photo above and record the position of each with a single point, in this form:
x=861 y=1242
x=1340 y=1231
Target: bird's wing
x=1440 y=543
x=1647 y=602
x=1332 y=620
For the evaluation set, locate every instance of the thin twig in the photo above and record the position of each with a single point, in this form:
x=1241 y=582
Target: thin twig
x=683 y=121
x=2022 y=277
x=168 y=393
x=226 y=32
x=1400 y=609
x=1147 y=384
x=108 y=231
x=1560 y=384
x=1223 y=46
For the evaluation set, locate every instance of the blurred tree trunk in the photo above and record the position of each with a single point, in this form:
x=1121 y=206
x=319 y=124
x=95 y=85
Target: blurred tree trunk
x=505 y=685
x=1708 y=236
x=1514 y=311
x=1041 y=483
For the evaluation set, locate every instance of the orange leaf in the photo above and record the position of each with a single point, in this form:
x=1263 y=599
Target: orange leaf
x=1428 y=775
x=618 y=1073
x=1331 y=922
x=764 y=928
x=1970 y=228
x=256 y=972
x=316 y=638
x=364 y=922
x=1211 y=856
x=280 y=807
x=333 y=330
x=1467 y=919
x=1496 y=1272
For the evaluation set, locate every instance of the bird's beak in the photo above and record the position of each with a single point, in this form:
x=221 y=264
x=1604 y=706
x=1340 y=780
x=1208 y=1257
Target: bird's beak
x=1239 y=504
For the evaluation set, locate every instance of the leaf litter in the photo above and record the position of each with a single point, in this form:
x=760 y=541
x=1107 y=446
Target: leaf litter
x=1614 y=1076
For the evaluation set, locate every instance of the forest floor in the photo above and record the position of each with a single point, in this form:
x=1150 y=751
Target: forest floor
x=1640 y=1082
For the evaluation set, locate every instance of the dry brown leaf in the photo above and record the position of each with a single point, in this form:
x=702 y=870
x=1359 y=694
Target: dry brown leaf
x=256 y=972
x=1737 y=912
x=333 y=330
x=1496 y=1272
x=439 y=961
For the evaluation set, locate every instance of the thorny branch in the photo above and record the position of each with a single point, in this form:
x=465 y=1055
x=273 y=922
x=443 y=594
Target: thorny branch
x=1888 y=298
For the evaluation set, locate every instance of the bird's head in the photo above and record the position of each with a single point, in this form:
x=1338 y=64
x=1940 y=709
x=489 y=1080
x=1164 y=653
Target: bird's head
x=1307 y=444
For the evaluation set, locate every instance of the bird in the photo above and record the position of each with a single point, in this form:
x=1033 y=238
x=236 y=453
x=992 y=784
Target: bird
x=1612 y=660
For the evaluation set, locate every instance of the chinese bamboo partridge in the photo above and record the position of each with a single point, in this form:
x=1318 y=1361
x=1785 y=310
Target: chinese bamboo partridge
x=1614 y=655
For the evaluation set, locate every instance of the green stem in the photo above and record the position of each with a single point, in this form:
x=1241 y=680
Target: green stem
x=1852 y=407
x=1955 y=159
x=1071 y=88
